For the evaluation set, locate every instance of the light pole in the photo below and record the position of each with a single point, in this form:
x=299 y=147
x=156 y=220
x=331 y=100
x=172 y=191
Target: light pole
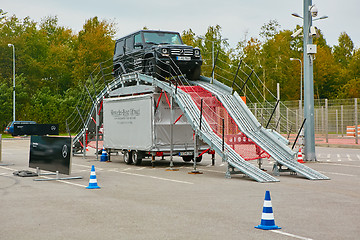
x=12 y=45
x=301 y=77
x=309 y=50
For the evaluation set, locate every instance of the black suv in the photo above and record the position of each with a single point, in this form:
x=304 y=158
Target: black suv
x=157 y=53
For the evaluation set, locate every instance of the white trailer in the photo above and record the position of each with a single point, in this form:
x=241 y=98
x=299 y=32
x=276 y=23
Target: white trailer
x=146 y=126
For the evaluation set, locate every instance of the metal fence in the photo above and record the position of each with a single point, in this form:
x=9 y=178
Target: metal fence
x=338 y=118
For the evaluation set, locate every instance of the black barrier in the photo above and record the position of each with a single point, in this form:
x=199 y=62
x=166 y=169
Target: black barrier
x=35 y=129
x=51 y=153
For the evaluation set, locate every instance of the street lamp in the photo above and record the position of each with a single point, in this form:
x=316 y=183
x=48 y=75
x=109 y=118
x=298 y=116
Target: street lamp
x=309 y=50
x=297 y=59
x=12 y=45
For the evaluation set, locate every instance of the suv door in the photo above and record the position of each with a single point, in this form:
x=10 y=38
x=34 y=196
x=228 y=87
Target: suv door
x=119 y=68
x=128 y=54
x=138 y=52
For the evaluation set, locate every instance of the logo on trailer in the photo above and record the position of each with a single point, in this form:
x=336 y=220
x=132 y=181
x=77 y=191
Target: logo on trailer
x=64 y=151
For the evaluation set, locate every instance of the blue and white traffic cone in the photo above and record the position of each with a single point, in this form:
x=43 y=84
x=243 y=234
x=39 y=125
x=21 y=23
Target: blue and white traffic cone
x=267 y=217
x=104 y=156
x=92 y=181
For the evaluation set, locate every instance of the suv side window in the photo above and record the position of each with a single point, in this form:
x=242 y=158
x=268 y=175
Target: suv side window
x=137 y=41
x=129 y=44
x=119 y=50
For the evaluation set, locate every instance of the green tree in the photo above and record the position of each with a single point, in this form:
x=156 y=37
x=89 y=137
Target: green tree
x=325 y=74
x=188 y=37
x=344 y=51
x=275 y=56
x=270 y=29
x=60 y=55
x=351 y=89
x=211 y=44
x=47 y=58
x=2 y=15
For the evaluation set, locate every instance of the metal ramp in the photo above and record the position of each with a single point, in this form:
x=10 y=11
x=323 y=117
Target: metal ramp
x=190 y=110
x=246 y=122
x=192 y=113
x=249 y=125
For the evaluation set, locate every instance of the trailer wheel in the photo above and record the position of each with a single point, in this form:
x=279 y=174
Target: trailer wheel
x=136 y=158
x=127 y=157
x=198 y=159
x=187 y=158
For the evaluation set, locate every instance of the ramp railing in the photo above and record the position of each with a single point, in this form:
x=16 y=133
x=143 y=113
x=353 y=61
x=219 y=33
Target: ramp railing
x=206 y=133
x=248 y=124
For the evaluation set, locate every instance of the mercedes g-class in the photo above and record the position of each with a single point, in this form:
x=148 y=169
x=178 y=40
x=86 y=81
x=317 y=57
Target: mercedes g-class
x=157 y=53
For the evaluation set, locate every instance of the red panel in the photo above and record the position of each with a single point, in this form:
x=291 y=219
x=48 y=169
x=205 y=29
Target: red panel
x=214 y=112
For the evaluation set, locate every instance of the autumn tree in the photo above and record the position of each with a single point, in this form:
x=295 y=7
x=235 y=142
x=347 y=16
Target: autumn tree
x=93 y=46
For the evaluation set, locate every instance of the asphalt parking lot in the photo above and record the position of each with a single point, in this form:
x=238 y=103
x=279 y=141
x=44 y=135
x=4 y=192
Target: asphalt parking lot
x=141 y=202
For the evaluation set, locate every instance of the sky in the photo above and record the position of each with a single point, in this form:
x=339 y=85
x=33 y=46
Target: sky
x=239 y=19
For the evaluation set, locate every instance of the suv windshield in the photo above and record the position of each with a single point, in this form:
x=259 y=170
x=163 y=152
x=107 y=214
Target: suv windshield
x=162 y=38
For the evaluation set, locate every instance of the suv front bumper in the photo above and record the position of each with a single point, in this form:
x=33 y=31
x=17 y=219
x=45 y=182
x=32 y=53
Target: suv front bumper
x=172 y=66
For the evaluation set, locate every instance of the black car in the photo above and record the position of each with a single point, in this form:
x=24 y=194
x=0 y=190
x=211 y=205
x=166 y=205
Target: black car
x=157 y=53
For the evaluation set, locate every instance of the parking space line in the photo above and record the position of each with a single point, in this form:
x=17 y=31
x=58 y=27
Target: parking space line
x=206 y=170
x=338 y=164
x=341 y=174
x=209 y=170
x=290 y=235
x=6 y=174
x=153 y=177
x=6 y=168
x=140 y=168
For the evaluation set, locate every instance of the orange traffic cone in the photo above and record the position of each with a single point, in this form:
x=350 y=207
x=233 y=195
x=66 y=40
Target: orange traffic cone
x=300 y=156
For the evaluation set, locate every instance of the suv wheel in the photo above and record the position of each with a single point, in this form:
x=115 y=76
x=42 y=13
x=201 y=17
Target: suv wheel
x=152 y=70
x=149 y=67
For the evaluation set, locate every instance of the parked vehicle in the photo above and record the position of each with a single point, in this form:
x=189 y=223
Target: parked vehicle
x=156 y=53
x=10 y=127
x=139 y=126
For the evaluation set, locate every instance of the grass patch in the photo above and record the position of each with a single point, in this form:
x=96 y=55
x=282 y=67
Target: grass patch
x=5 y=135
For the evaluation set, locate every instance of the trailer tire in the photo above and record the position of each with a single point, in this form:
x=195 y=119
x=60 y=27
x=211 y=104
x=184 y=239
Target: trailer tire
x=136 y=158
x=128 y=157
x=187 y=158
x=198 y=159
